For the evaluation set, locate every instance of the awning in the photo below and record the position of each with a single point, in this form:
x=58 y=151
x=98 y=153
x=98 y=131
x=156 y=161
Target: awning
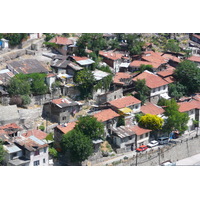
x=125 y=110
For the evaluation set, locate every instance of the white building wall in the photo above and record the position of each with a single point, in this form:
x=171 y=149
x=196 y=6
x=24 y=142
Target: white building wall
x=40 y=157
x=191 y=115
x=159 y=90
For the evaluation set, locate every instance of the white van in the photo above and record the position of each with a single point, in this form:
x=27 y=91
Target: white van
x=163 y=140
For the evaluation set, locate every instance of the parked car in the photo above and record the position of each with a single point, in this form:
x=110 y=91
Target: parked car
x=153 y=143
x=163 y=140
x=141 y=148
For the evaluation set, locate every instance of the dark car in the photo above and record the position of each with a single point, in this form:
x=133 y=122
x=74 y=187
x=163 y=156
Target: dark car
x=141 y=148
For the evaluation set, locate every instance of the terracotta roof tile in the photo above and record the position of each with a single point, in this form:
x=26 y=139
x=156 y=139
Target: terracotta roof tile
x=10 y=126
x=65 y=129
x=106 y=115
x=61 y=41
x=152 y=80
x=138 y=63
x=194 y=58
x=139 y=131
x=171 y=57
x=37 y=133
x=170 y=79
x=118 y=78
x=187 y=106
x=167 y=72
x=78 y=58
x=153 y=57
x=152 y=109
x=197 y=36
x=111 y=55
x=124 y=102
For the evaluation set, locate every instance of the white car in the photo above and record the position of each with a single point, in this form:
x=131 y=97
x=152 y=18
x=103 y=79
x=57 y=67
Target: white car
x=153 y=143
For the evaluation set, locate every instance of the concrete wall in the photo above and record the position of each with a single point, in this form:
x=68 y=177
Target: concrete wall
x=174 y=152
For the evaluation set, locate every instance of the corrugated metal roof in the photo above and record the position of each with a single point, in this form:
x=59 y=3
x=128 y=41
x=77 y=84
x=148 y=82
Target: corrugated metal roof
x=98 y=74
x=37 y=140
x=122 y=131
x=11 y=148
x=85 y=62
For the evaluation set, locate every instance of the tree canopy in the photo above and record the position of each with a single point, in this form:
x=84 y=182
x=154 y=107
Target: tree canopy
x=2 y=152
x=176 y=90
x=15 y=38
x=77 y=145
x=172 y=46
x=146 y=67
x=85 y=80
x=90 y=127
x=188 y=74
x=142 y=90
x=152 y=122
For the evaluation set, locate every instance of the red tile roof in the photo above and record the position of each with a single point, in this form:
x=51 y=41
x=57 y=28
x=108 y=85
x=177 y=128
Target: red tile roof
x=50 y=75
x=153 y=57
x=139 y=131
x=197 y=36
x=119 y=76
x=167 y=72
x=37 y=133
x=187 y=106
x=106 y=115
x=124 y=102
x=197 y=97
x=194 y=58
x=152 y=80
x=138 y=63
x=170 y=79
x=60 y=101
x=10 y=126
x=61 y=40
x=171 y=57
x=78 y=58
x=111 y=55
x=65 y=129
x=152 y=109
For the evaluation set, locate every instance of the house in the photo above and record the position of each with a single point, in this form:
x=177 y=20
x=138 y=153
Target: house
x=5 y=76
x=112 y=59
x=27 y=66
x=9 y=114
x=192 y=108
x=195 y=38
x=127 y=104
x=50 y=79
x=12 y=130
x=130 y=137
x=195 y=59
x=155 y=57
x=64 y=45
x=109 y=96
x=37 y=133
x=158 y=86
x=123 y=137
x=167 y=74
x=84 y=62
x=4 y=44
x=108 y=117
x=153 y=109
x=33 y=149
x=60 y=110
x=60 y=130
x=172 y=60
x=34 y=36
x=123 y=80
x=141 y=135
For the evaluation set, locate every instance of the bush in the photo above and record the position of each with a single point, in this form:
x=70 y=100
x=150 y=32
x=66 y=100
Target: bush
x=53 y=152
x=41 y=127
x=25 y=99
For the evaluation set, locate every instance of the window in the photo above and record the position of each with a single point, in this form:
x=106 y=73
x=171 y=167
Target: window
x=44 y=160
x=141 y=136
x=154 y=90
x=136 y=106
x=45 y=150
x=147 y=134
x=64 y=118
x=164 y=87
x=159 y=89
x=36 y=163
x=37 y=153
x=191 y=112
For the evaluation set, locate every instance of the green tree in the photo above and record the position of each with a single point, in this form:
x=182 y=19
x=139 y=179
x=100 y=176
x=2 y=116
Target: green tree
x=146 y=67
x=121 y=121
x=114 y=44
x=93 y=41
x=176 y=90
x=78 y=145
x=152 y=122
x=18 y=87
x=172 y=46
x=49 y=36
x=2 y=152
x=188 y=74
x=89 y=126
x=53 y=152
x=15 y=38
x=25 y=99
x=85 y=80
x=142 y=90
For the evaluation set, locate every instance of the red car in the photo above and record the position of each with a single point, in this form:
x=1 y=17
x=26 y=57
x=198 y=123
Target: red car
x=142 y=148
